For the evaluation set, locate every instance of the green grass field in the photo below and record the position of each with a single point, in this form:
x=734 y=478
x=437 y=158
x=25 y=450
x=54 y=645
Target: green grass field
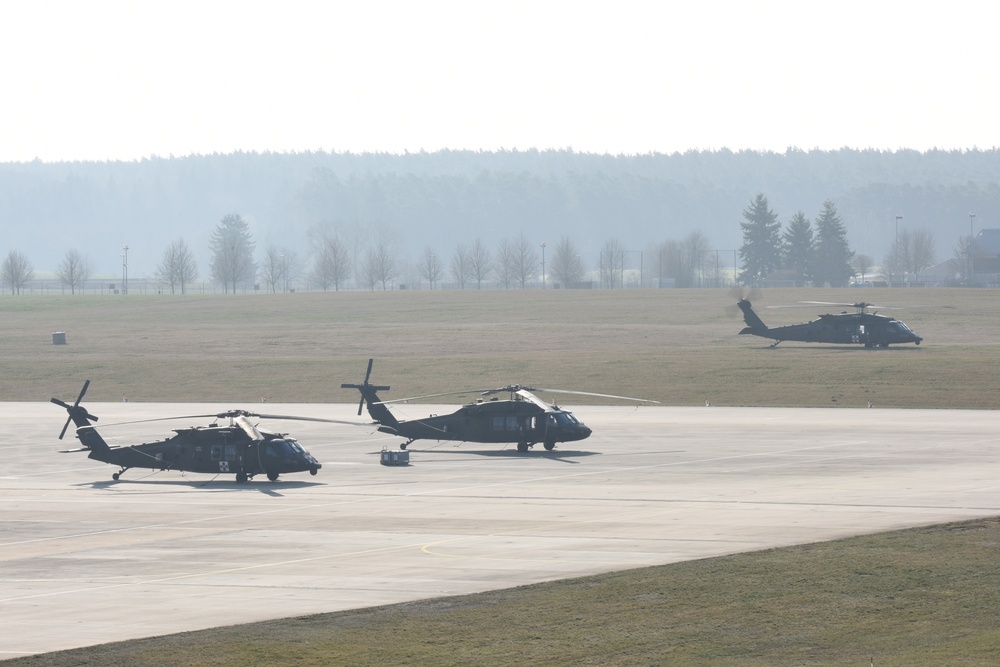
x=914 y=598
x=920 y=597
x=677 y=346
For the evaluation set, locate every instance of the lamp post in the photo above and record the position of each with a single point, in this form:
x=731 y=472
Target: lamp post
x=895 y=247
x=972 y=255
x=543 y=264
x=125 y=270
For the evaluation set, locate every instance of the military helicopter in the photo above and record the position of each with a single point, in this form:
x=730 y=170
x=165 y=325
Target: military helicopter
x=859 y=327
x=236 y=447
x=522 y=418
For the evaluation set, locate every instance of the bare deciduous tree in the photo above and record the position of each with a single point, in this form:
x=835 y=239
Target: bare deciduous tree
x=961 y=260
x=278 y=268
x=503 y=267
x=74 y=270
x=332 y=266
x=863 y=264
x=567 y=266
x=525 y=260
x=379 y=266
x=461 y=266
x=16 y=271
x=178 y=266
x=696 y=249
x=429 y=266
x=910 y=253
x=481 y=262
x=612 y=264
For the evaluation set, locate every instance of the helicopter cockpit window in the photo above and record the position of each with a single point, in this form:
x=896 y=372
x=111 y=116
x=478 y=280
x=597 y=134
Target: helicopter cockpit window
x=230 y=452
x=283 y=448
x=216 y=452
x=498 y=423
x=565 y=418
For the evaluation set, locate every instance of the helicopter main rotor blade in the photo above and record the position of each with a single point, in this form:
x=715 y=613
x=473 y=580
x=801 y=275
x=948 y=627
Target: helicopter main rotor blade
x=447 y=393
x=163 y=419
x=859 y=304
x=305 y=419
x=234 y=414
x=590 y=393
x=248 y=428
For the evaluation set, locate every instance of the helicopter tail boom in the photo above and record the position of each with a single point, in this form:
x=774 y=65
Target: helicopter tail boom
x=755 y=325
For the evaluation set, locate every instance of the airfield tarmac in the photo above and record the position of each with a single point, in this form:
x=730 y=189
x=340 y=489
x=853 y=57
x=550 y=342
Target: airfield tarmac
x=86 y=560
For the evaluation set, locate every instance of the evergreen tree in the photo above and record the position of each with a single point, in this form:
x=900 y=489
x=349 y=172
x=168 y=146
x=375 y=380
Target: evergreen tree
x=833 y=255
x=761 y=249
x=798 y=247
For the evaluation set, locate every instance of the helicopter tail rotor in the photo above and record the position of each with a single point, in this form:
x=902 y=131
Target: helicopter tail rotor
x=77 y=413
x=367 y=390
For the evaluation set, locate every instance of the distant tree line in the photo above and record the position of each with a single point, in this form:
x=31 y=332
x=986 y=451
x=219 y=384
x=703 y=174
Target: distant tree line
x=471 y=219
x=650 y=203
x=802 y=253
x=822 y=256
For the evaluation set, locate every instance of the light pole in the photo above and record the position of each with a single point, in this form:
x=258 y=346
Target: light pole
x=895 y=247
x=972 y=255
x=125 y=270
x=543 y=264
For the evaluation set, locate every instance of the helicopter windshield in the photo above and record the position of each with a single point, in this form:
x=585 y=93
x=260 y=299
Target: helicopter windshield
x=566 y=418
x=899 y=326
x=288 y=447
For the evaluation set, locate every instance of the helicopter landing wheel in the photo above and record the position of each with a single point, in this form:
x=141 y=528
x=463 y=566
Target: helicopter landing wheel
x=241 y=478
x=273 y=476
x=403 y=446
x=522 y=446
x=549 y=446
x=116 y=476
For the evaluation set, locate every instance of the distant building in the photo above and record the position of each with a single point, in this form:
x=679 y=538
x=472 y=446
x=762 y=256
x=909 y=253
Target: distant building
x=986 y=251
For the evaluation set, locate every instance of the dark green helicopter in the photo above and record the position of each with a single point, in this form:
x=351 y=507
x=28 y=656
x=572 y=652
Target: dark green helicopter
x=522 y=418
x=857 y=328
x=237 y=447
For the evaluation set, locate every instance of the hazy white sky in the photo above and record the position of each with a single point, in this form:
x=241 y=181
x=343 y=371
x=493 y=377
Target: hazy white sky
x=110 y=79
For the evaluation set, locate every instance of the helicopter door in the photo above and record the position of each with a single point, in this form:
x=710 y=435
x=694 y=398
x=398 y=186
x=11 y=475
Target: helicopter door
x=859 y=335
x=538 y=425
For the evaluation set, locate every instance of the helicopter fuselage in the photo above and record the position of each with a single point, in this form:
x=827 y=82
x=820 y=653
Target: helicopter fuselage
x=238 y=447
x=495 y=421
x=212 y=450
x=523 y=418
x=860 y=328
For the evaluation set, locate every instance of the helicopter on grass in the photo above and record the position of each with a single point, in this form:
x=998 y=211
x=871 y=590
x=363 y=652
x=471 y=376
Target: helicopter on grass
x=858 y=328
x=521 y=418
x=236 y=446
